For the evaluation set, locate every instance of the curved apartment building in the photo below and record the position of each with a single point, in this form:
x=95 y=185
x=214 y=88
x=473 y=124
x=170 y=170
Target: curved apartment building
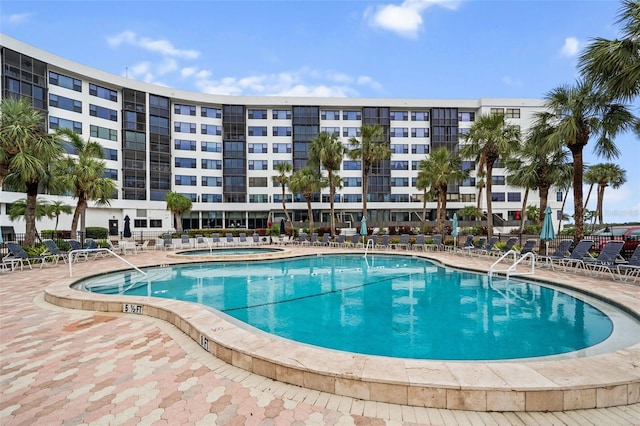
x=221 y=151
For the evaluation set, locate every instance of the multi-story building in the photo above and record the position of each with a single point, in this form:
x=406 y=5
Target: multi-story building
x=221 y=151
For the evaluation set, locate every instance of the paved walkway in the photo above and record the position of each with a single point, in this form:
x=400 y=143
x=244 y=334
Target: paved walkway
x=71 y=367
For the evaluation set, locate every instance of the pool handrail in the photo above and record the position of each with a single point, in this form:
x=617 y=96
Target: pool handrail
x=72 y=252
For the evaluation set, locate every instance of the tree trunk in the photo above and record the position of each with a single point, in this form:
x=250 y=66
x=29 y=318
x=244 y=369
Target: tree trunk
x=286 y=213
x=76 y=219
x=543 y=191
x=600 y=204
x=424 y=213
x=488 y=190
x=310 y=216
x=332 y=192
x=523 y=212
x=442 y=216
x=178 y=218
x=365 y=183
x=564 y=201
x=578 y=198
x=588 y=196
x=30 y=214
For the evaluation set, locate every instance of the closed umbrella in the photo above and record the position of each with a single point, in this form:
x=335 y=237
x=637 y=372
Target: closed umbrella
x=127 y=227
x=547 y=234
x=363 y=227
x=454 y=231
x=282 y=229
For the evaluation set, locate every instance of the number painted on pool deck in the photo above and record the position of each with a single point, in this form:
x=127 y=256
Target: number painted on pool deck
x=204 y=342
x=128 y=308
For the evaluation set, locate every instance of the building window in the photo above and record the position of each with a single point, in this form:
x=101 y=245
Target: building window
x=184 y=109
x=331 y=130
x=210 y=129
x=559 y=196
x=399 y=165
x=184 y=145
x=351 y=182
x=352 y=165
x=468 y=198
x=182 y=127
x=419 y=132
x=415 y=165
x=155 y=223
x=399 y=132
x=399 y=115
x=276 y=162
x=401 y=148
x=257 y=148
x=468 y=165
x=186 y=163
x=258 y=198
x=102 y=112
x=110 y=154
x=496 y=110
x=103 y=133
x=330 y=114
x=419 y=116
x=139 y=223
x=103 y=92
x=259 y=114
x=65 y=103
x=211 y=164
x=352 y=115
x=258 y=165
x=513 y=196
x=399 y=181
x=468 y=182
x=258 y=182
x=110 y=174
x=185 y=180
x=420 y=149
x=211 y=181
x=498 y=180
x=281 y=114
x=257 y=131
x=64 y=81
x=55 y=123
x=512 y=113
x=282 y=148
x=211 y=146
x=210 y=112
x=282 y=131
x=352 y=198
x=212 y=198
x=497 y=196
x=351 y=132
x=466 y=116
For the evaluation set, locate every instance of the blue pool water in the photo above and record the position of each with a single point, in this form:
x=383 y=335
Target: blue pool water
x=381 y=305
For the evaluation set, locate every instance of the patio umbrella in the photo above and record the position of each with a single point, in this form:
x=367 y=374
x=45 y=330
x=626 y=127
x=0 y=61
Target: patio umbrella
x=547 y=234
x=454 y=231
x=363 y=227
x=282 y=227
x=127 y=227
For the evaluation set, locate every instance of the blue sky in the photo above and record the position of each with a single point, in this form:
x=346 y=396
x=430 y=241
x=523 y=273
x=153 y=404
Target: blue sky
x=358 y=48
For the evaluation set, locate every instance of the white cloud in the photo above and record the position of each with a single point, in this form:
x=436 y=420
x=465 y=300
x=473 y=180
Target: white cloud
x=365 y=80
x=571 y=47
x=167 y=66
x=18 y=18
x=164 y=47
x=404 y=19
x=509 y=81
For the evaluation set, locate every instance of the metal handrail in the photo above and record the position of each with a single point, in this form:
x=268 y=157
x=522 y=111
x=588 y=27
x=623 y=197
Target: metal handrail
x=516 y=260
x=366 y=247
x=72 y=252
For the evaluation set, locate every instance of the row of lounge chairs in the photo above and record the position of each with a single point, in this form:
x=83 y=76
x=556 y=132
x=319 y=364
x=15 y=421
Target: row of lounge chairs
x=18 y=257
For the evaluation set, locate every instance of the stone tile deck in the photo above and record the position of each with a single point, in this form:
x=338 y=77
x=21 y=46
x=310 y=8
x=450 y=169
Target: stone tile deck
x=78 y=366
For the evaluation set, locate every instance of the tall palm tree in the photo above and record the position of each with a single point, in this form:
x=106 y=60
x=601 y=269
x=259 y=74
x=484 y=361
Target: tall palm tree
x=440 y=169
x=470 y=213
x=577 y=113
x=18 y=210
x=27 y=152
x=327 y=150
x=178 y=204
x=605 y=174
x=83 y=173
x=307 y=181
x=423 y=183
x=282 y=178
x=372 y=149
x=57 y=209
x=564 y=184
x=614 y=65
x=533 y=166
x=490 y=138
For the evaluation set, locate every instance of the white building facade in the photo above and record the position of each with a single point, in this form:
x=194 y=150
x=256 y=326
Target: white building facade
x=221 y=151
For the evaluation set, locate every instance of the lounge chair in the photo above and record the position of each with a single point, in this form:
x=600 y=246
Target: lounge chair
x=200 y=241
x=355 y=241
x=54 y=250
x=229 y=241
x=606 y=260
x=467 y=244
x=18 y=256
x=489 y=246
x=215 y=240
x=93 y=249
x=383 y=244
x=577 y=255
x=529 y=247
x=631 y=269
x=167 y=242
x=339 y=241
x=145 y=245
x=77 y=251
x=255 y=240
x=116 y=249
x=419 y=243
x=436 y=243
x=560 y=252
x=477 y=247
x=302 y=239
x=242 y=238
x=403 y=244
x=324 y=241
x=185 y=241
x=312 y=240
x=511 y=242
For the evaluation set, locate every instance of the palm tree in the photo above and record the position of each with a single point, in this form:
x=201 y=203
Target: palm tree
x=27 y=152
x=423 y=184
x=57 y=209
x=282 y=178
x=470 y=212
x=605 y=174
x=372 y=149
x=614 y=65
x=18 y=210
x=565 y=182
x=533 y=167
x=490 y=138
x=83 y=173
x=178 y=204
x=307 y=181
x=439 y=169
x=576 y=113
x=327 y=150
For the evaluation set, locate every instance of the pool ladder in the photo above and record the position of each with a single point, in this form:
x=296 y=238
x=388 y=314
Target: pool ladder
x=512 y=270
x=101 y=250
x=366 y=247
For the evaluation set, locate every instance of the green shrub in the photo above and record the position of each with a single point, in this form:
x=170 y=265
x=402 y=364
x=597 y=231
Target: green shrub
x=532 y=229
x=97 y=232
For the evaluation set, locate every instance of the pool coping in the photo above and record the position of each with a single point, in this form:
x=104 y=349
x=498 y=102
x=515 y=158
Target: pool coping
x=597 y=381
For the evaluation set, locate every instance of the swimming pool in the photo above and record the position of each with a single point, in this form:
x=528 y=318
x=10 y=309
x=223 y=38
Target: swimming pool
x=388 y=305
